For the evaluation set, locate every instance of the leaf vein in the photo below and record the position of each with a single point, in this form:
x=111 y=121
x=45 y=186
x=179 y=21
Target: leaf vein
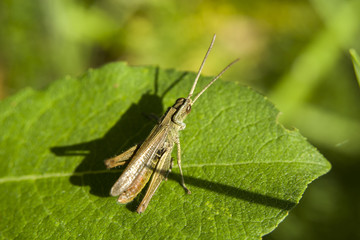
x=59 y=175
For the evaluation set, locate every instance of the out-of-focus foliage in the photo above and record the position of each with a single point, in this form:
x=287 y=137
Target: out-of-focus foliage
x=356 y=63
x=295 y=52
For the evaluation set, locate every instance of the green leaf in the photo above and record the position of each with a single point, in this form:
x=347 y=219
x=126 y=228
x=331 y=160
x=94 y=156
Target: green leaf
x=356 y=63
x=244 y=169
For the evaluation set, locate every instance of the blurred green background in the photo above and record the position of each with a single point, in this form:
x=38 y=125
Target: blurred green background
x=293 y=51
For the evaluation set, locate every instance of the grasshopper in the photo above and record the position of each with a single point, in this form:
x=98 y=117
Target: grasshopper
x=153 y=156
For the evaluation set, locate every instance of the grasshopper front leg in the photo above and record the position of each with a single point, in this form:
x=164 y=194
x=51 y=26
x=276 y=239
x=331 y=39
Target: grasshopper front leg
x=120 y=159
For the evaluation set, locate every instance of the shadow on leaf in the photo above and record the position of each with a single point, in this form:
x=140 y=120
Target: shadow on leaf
x=235 y=192
x=132 y=128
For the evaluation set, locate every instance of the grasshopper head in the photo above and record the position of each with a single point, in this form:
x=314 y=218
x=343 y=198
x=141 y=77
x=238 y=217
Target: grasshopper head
x=183 y=107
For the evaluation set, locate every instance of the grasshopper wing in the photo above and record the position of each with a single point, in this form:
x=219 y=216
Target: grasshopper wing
x=140 y=168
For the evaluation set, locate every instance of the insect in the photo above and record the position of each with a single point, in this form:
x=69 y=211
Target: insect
x=153 y=156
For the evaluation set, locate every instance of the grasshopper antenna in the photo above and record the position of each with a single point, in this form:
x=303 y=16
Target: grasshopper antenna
x=201 y=67
x=216 y=78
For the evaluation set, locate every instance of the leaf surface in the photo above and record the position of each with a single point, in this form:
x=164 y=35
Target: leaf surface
x=244 y=169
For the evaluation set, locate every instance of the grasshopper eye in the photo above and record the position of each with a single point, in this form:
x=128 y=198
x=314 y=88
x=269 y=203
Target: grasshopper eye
x=188 y=109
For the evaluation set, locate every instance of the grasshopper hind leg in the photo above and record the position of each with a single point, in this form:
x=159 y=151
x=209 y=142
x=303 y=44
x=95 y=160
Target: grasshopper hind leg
x=120 y=159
